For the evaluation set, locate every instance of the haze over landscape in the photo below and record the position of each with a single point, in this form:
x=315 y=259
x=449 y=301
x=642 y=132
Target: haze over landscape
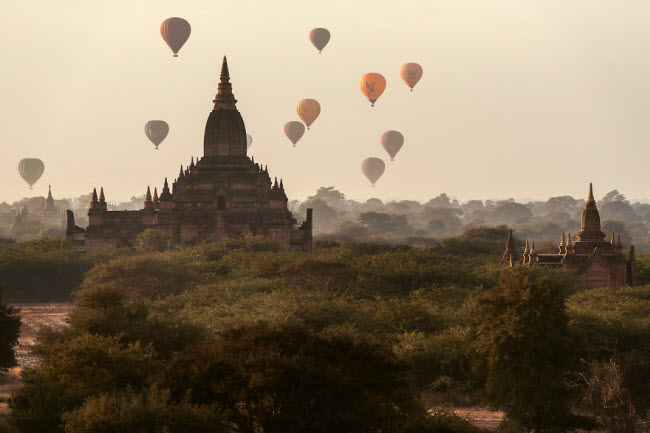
x=519 y=99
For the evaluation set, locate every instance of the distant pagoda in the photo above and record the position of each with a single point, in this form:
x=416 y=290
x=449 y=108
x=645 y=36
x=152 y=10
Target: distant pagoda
x=600 y=262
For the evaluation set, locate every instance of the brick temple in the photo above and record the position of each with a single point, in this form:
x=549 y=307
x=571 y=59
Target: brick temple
x=224 y=194
x=600 y=262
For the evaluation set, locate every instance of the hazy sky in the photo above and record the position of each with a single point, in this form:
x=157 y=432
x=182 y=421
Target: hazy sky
x=520 y=98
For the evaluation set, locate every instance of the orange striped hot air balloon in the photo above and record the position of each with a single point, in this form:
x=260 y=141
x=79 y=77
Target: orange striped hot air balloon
x=372 y=85
x=308 y=110
x=175 y=31
x=411 y=74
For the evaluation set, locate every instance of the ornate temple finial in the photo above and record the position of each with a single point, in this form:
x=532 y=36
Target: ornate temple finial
x=253 y=160
x=569 y=241
x=102 y=199
x=148 y=195
x=192 y=162
x=266 y=168
x=562 y=246
x=180 y=174
x=94 y=198
x=49 y=191
x=155 y=195
x=225 y=100
x=166 y=185
x=281 y=185
x=590 y=223
x=275 y=184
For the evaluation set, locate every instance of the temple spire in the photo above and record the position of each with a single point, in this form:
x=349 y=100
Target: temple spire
x=510 y=247
x=94 y=198
x=225 y=100
x=102 y=199
x=590 y=224
x=563 y=244
x=148 y=196
x=49 y=192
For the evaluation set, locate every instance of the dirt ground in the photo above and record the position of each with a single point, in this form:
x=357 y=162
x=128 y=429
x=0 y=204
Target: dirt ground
x=33 y=317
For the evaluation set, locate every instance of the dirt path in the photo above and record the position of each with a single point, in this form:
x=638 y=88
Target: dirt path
x=33 y=318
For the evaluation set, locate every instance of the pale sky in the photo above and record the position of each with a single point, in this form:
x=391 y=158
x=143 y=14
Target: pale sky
x=519 y=98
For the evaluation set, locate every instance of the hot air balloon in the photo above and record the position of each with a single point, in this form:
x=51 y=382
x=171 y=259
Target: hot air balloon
x=372 y=85
x=319 y=37
x=249 y=141
x=31 y=170
x=308 y=110
x=392 y=142
x=156 y=131
x=411 y=74
x=294 y=131
x=175 y=31
x=373 y=168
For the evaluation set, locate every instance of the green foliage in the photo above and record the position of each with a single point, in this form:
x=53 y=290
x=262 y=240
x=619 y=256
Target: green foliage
x=42 y=270
x=289 y=379
x=521 y=340
x=152 y=241
x=72 y=370
x=142 y=277
x=9 y=333
x=150 y=410
x=607 y=324
x=609 y=399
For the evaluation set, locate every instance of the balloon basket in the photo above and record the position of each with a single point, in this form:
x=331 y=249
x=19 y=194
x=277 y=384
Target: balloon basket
x=175 y=55
x=411 y=89
x=392 y=159
x=294 y=145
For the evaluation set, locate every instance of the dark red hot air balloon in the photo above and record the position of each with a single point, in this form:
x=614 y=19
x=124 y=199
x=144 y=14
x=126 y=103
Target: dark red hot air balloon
x=175 y=31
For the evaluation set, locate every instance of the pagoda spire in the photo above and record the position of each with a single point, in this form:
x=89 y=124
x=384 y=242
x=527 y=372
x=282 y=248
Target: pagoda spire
x=148 y=203
x=510 y=247
x=225 y=100
x=563 y=244
x=527 y=253
x=49 y=192
x=165 y=194
x=590 y=224
x=93 y=200
x=281 y=185
x=102 y=199
x=180 y=174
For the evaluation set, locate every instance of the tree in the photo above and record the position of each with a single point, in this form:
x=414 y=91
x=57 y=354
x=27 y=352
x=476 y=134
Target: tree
x=280 y=379
x=520 y=338
x=9 y=333
x=152 y=240
x=145 y=276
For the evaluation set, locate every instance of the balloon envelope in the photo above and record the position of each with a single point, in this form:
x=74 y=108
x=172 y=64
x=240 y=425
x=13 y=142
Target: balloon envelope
x=175 y=32
x=392 y=142
x=31 y=170
x=156 y=131
x=308 y=110
x=319 y=38
x=411 y=74
x=372 y=85
x=373 y=168
x=249 y=141
x=294 y=131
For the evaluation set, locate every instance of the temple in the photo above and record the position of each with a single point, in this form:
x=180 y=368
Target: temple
x=224 y=194
x=600 y=262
